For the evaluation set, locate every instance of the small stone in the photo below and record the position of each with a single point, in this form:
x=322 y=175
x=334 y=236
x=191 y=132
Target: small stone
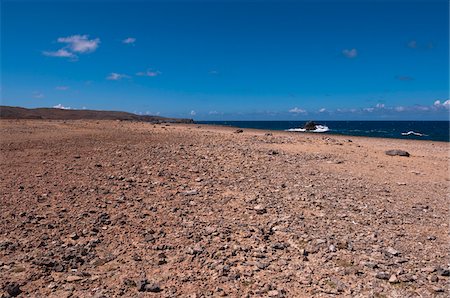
x=443 y=271
x=260 y=209
x=72 y=278
x=382 y=275
x=13 y=289
x=152 y=287
x=438 y=289
x=391 y=251
x=74 y=236
x=140 y=284
x=407 y=278
x=238 y=131
x=279 y=246
x=273 y=293
x=190 y=192
x=433 y=278
x=397 y=152
x=332 y=248
x=262 y=265
x=320 y=241
x=393 y=279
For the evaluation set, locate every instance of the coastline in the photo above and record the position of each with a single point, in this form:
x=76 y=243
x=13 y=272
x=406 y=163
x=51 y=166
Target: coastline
x=200 y=209
x=355 y=128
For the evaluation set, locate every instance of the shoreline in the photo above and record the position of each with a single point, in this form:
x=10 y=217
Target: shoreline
x=311 y=134
x=328 y=132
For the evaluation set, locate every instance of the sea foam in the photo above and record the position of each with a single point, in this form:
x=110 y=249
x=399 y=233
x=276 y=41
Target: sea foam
x=413 y=133
x=319 y=128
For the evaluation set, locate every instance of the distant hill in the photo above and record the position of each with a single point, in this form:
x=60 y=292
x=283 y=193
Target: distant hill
x=7 y=112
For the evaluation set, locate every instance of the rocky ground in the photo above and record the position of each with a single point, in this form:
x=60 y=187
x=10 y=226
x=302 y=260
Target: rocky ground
x=108 y=209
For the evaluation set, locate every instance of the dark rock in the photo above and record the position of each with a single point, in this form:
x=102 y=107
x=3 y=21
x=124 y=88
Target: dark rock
x=443 y=271
x=397 y=152
x=152 y=287
x=382 y=275
x=390 y=251
x=279 y=246
x=144 y=285
x=238 y=131
x=260 y=209
x=310 y=125
x=13 y=289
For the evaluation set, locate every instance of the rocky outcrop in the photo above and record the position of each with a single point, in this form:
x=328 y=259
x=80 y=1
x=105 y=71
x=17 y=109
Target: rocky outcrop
x=310 y=125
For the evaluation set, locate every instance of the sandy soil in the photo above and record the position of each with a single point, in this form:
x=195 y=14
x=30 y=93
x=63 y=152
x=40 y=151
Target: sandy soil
x=108 y=209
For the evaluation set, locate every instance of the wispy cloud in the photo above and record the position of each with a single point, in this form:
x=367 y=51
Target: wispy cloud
x=193 y=113
x=412 y=44
x=350 y=53
x=404 y=78
x=37 y=94
x=213 y=72
x=75 y=44
x=117 y=76
x=297 y=110
x=63 y=53
x=129 y=40
x=149 y=73
x=62 y=88
x=60 y=106
x=322 y=110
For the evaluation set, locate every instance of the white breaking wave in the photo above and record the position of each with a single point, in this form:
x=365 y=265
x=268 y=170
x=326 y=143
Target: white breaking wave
x=413 y=133
x=319 y=128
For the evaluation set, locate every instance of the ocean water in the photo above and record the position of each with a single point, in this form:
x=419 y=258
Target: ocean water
x=417 y=130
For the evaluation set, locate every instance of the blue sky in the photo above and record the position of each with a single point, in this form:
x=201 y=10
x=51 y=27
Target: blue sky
x=234 y=60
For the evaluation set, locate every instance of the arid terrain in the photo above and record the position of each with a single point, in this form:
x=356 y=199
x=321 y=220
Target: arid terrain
x=110 y=208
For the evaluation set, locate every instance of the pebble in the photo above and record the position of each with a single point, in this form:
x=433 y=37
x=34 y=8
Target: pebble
x=260 y=209
x=382 y=275
x=391 y=251
x=393 y=279
x=72 y=278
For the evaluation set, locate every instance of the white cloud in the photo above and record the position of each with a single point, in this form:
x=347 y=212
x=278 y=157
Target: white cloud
x=149 y=73
x=380 y=106
x=129 y=40
x=400 y=109
x=60 y=106
x=214 y=72
x=193 y=113
x=350 y=53
x=213 y=113
x=438 y=104
x=59 y=53
x=62 y=88
x=322 y=110
x=116 y=76
x=297 y=111
x=80 y=43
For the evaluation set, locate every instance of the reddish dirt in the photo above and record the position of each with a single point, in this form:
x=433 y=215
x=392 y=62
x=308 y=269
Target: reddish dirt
x=108 y=208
